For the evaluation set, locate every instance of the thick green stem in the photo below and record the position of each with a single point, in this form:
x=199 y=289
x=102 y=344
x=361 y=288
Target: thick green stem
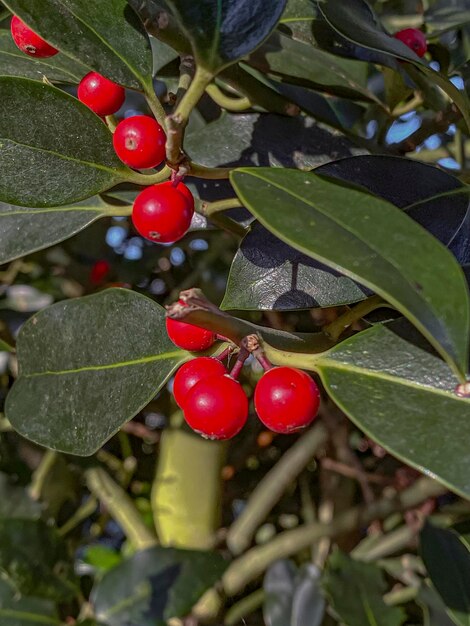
x=401 y=596
x=227 y=102
x=209 y=173
x=196 y=89
x=155 y=105
x=209 y=208
x=354 y=314
x=149 y=179
x=80 y=515
x=271 y=488
x=244 y=607
x=387 y=544
x=248 y=567
x=120 y=507
x=40 y=475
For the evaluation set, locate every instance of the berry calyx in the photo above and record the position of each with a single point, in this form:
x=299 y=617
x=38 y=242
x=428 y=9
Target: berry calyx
x=139 y=141
x=414 y=39
x=162 y=213
x=188 y=336
x=193 y=372
x=28 y=42
x=286 y=399
x=100 y=94
x=216 y=407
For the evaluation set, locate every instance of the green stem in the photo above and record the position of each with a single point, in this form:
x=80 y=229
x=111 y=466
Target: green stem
x=196 y=89
x=211 y=173
x=121 y=211
x=227 y=223
x=384 y=546
x=154 y=104
x=120 y=507
x=80 y=515
x=354 y=314
x=41 y=474
x=209 y=208
x=253 y=563
x=227 y=102
x=271 y=488
x=401 y=596
x=244 y=607
x=148 y=179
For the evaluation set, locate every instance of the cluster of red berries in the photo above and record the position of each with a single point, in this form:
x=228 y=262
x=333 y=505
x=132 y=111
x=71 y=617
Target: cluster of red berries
x=214 y=403
x=161 y=213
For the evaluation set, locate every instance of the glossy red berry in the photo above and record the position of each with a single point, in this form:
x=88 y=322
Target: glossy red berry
x=181 y=187
x=139 y=141
x=193 y=372
x=286 y=399
x=28 y=42
x=188 y=336
x=414 y=39
x=162 y=213
x=99 y=271
x=100 y=94
x=216 y=407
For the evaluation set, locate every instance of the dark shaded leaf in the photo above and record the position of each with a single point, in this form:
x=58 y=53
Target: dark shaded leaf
x=155 y=585
x=370 y=241
x=34 y=560
x=355 y=592
x=115 y=341
x=224 y=31
x=434 y=610
x=109 y=39
x=19 y=610
x=54 y=152
x=447 y=560
x=15 y=501
x=371 y=374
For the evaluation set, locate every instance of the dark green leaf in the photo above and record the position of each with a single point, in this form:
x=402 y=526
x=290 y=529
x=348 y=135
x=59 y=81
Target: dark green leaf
x=24 y=230
x=434 y=610
x=113 y=356
x=155 y=585
x=108 y=38
x=441 y=18
x=34 y=559
x=355 y=592
x=376 y=371
x=19 y=610
x=356 y=21
x=59 y=68
x=6 y=347
x=447 y=560
x=223 y=31
x=15 y=501
x=370 y=241
x=55 y=151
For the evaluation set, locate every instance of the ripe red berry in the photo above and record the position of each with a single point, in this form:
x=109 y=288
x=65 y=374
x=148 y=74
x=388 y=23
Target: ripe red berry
x=216 y=407
x=28 y=42
x=414 y=39
x=162 y=213
x=139 y=141
x=192 y=372
x=286 y=399
x=100 y=94
x=181 y=187
x=188 y=336
x=99 y=271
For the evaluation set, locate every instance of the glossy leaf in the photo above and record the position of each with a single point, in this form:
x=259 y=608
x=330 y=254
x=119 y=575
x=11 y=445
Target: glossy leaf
x=267 y=273
x=107 y=38
x=155 y=585
x=59 y=68
x=356 y=21
x=44 y=569
x=355 y=591
x=54 y=152
x=20 y=610
x=434 y=611
x=24 y=230
x=370 y=241
x=371 y=374
x=223 y=31
x=447 y=560
x=115 y=341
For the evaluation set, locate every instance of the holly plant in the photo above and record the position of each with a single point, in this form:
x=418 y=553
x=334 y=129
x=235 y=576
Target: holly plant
x=235 y=315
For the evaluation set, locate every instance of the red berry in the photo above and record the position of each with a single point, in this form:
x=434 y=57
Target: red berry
x=139 y=141
x=188 y=336
x=286 y=399
x=181 y=187
x=192 y=372
x=100 y=94
x=216 y=407
x=28 y=42
x=99 y=271
x=414 y=39
x=162 y=213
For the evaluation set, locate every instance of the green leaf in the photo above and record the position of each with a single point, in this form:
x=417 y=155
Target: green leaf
x=15 y=501
x=58 y=68
x=355 y=592
x=376 y=371
x=224 y=31
x=87 y=366
x=356 y=21
x=24 y=230
x=53 y=149
x=20 y=610
x=370 y=241
x=447 y=559
x=155 y=585
x=34 y=560
x=434 y=610
x=102 y=558
x=106 y=37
